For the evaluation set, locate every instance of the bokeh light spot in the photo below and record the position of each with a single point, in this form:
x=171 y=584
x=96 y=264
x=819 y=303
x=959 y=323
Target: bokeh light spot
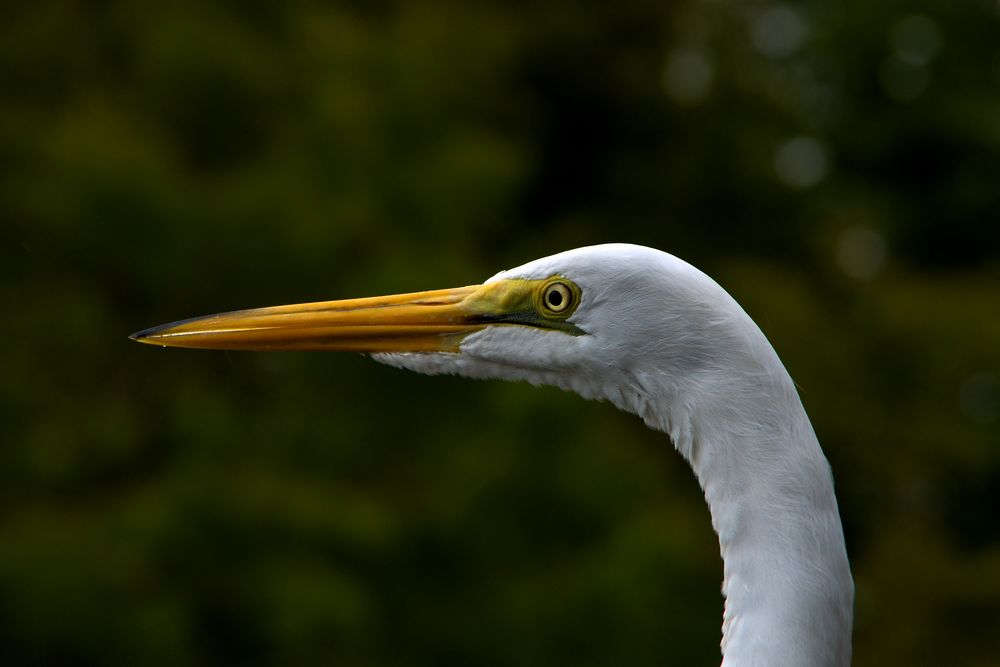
x=861 y=252
x=800 y=162
x=778 y=32
x=688 y=76
x=916 y=39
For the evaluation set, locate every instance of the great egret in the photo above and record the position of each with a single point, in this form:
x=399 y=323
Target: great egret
x=657 y=338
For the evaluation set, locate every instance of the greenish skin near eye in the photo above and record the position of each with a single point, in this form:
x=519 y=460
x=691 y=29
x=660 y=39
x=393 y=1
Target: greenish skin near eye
x=545 y=303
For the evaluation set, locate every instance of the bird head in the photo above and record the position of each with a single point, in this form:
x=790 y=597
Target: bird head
x=588 y=320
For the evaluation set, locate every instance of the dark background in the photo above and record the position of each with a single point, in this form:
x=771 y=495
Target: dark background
x=836 y=166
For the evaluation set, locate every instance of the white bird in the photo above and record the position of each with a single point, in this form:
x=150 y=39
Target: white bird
x=660 y=339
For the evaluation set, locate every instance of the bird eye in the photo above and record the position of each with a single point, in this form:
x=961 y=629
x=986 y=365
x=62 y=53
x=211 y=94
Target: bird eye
x=558 y=298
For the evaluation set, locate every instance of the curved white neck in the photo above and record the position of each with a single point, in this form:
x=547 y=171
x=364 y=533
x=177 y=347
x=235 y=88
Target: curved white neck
x=787 y=582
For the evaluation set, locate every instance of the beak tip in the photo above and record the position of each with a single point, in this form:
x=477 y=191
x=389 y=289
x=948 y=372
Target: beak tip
x=144 y=336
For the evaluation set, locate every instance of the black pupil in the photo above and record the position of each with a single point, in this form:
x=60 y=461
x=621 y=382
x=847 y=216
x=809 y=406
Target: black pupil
x=555 y=298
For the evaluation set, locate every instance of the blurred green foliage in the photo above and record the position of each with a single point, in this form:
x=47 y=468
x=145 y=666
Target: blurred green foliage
x=834 y=165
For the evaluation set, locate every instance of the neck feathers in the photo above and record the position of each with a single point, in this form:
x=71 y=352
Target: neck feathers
x=787 y=581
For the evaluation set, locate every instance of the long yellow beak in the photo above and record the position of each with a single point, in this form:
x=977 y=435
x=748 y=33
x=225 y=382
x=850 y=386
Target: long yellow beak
x=435 y=321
